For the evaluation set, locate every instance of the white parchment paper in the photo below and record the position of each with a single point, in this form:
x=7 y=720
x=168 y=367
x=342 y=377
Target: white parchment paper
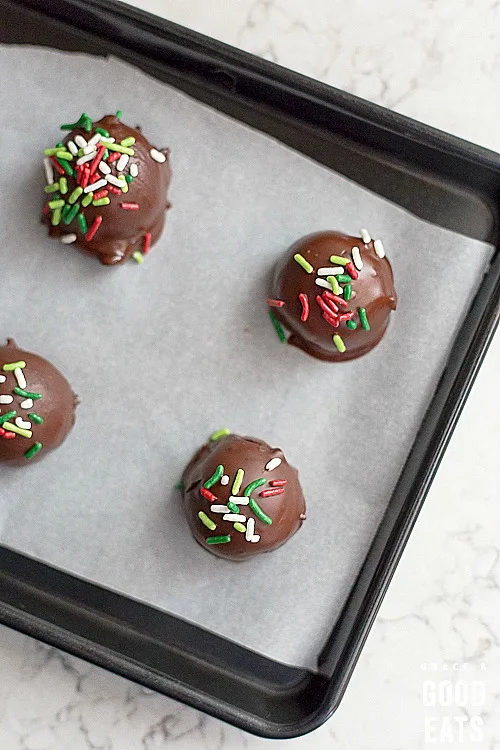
x=165 y=353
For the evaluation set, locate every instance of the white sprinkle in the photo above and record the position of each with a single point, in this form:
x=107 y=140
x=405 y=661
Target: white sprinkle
x=2 y=378
x=95 y=186
x=157 y=155
x=250 y=529
x=95 y=139
x=21 y=423
x=273 y=464
x=19 y=375
x=27 y=404
x=365 y=236
x=104 y=168
x=6 y=399
x=109 y=139
x=122 y=162
x=80 y=141
x=234 y=517
x=356 y=258
x=255 y=539
x=87 y=157
x=49 y=171
x=114 y=180
x=239 y=500
x=90 y=149
x=379 y=248
x=323 y=283
x=224 y=480
x=134 y=170
x=334 y=271
x=219 y=509
x=67 y=239
x=73 y=148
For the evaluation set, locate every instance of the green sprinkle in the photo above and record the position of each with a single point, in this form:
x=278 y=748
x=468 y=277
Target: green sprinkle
x=127 y=142
x=75 y=195
x=232 y=507
x=82 y=122
x=180 y=485
x=82 y=223
x=65 y=211
x=102 y=132
x=303 y=262
x=56 y=217
x=218 y=539
x=207 y=521
x=59 y=145
x=50 y=151
x=344 y=278
x=237 y=481
x=36 y=448
x=338 y=260
x=120 y=149
x=105 y=154
x=347 y=292
x=215 y=477
x=220 y=433
x=138 y=257
x=119 y=113
x=363 y=318
x=27 y=394
x=129 y=178
x=11 y=366
x=351 y=324
x=339 y=343
x=101 y=202
x=66 y=166
x=14 y=428
x=253 y=486
x=332 y=280
x=87 y=200
x=71 y=214
x=259 y=512
x=52 y=188
x=124 y=186
x=56 y=204
x=63 y=154
x=35 y=418
x=63 y=185
x=277 y=327
x=6 y=417
x=239 y=527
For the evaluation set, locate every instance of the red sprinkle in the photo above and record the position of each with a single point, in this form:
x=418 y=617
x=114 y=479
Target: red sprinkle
x=7 y=435
x=278 y=482
x=324 y=306
x=331 y=304
x=93 y=229
x=84 y=178
x=94 y=177
x=130 y=206
x=332 y=319
x=208 y=495
x=100 y=194
x=56 y=164
x=275 y=302
x=335 y=298
x=114 y=190
x=45 y=210
x=346 y=316
x=146 y=245
x=113 y=157
x=272 y=493
x=351 y=270
x=304 y=301
x=95 y=163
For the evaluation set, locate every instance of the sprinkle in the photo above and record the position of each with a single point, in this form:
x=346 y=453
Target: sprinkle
x=19 y=375
x=7 y=416
x=346 y=316
x=365 y=236
x=234 y=517
x=108 y=139
x=119 y=113
x=62 y=154
x=253 y=486
x=56 y=204
x=347 y=292
x=277 y=327
x=238 y=480
x=120 y=149
x=224 y=480
x=35 y=418
x=250 y=529
x=208 y=495
x=220 y=433
x=115 y=181
x=232 y=506
x=35 y=448
x=102 y=132
x=324 y=306
x=331 y=319
x=101 y=202
x=129 y=206
x=344 y=279
x=215 y=477
x=272 y=493
x=27 y=404
x=56 y=164
x=364 y=320
x=180 y=485
x=97 y=159
x=303 y=263
x=6 y=435
x=11 y=366
x=27 y=394
x=128 y=141
x=259 y=512
x=66 y=166
x=82 y=223
x=122 y=162
x=138 y=257
x=113 y=157
x=49 y=170
x=6 y=399
x=80 y=141
x=52 y=188
x=324 y=284
x=134 y=170
x=71 y=214
x=218 y=539
x=219 y=509
x=146 y=245
x=124 y=186
x=84 y=122
x=87 y=199
x=351 y=271
x=334 y=283
x=157 y=155
x=255 y=539
x=356 y=258
x=207 y=521
x=93 y=229
x=95 y=186
x=114 y=190
x=100 y=194
x=21 y=423
x=330 y=271
x=339 y=343
x=335 y=298
x=239 y=527
x=2 y=378
x=239 y=500
x=104 y=168
x=50 y=151
x=278 y=482
x=95 y=139
x=379 y=248
x=338 y=260
x=56 y=217
x=273 y=464
x=18 y=430
x=75 y=195
x=275 y=302
x=72 y=148
x=84 y=178
x=351 y=324
x=304 y=301
x=63 y=185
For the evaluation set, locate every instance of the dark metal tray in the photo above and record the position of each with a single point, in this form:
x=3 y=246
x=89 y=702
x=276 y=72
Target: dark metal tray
x=439 y=178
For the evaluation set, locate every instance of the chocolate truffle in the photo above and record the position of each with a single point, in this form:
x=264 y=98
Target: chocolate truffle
x=241 y=497
x=37 y=405
x=106 y=190
x=334 y=293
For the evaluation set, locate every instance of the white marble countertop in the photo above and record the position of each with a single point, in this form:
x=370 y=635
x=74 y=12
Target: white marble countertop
x=437 y=61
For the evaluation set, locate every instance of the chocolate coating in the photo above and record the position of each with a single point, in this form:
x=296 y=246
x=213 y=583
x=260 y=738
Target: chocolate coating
x=372 y=290
x=286 y=510
x=56 y=407
x=122 y=232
